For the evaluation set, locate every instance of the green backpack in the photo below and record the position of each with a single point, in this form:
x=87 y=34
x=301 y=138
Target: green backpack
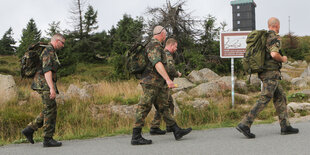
x=254 y=57
x=136 y=59
x=30 y=62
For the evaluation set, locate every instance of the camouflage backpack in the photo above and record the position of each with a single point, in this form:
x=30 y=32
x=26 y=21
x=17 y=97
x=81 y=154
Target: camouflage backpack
x=254 y=57
x=30 y=62
x=136 y=59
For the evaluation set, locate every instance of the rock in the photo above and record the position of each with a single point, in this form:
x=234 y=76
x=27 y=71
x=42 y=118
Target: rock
x=304 y=63
x=124 y=110
x=299 y=82
x=60 y=98
x=74 y=91
x=182 y=83
x=287 y=66
x=306 y=92
x=295 y=107
x=208 y=74
x=180 y=96
x=203 y=75
x=198 y=103
x=295 y=63
x=205 y=89
x=8 y=89
x=243 y=97
x=306 y=72
x=196 y=77
x=286 y=77
x=241 y=85
x=254 y=80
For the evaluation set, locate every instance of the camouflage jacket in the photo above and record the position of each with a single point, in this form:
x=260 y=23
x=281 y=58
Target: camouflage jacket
x=48 y=62
x=273 y=45
x=150 y=75
x=169 y=65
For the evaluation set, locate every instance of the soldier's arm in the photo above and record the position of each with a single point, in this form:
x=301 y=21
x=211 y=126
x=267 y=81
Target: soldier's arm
x=49 y=81
x=154 y=55
x=162 y=71
x=276 y=56
x=47 y=70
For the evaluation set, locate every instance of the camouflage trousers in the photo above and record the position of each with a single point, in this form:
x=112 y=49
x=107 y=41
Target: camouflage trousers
x=271 y=89
x=47 y=118
x=157 y=117
x=153 y=96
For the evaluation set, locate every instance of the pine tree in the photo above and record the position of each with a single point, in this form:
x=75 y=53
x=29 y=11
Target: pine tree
x=54 y=28
x=90 y=20
x=30 y=36
x=7 y=43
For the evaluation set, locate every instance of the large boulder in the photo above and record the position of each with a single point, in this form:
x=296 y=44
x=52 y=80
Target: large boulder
x=203 y=75
x=198 y=103
x=254 y=80
x=295 y=107
x=306 y=72
x=286 y=77
x=196 y=77
x=205 y=89
x=299 y=82
x=208 y=74
x=241 y=86
x=306 y=92
x=287 y=66
x=8 y=89
x=182 y=83
x=74 y=91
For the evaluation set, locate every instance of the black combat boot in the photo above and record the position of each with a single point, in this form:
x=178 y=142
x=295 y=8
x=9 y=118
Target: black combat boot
x=168 y=129
x=50 y=142
x=245 y=130
x=157 y=131
x=179 y=132
x=289 y=130
x=137 y=138
x=28 y=132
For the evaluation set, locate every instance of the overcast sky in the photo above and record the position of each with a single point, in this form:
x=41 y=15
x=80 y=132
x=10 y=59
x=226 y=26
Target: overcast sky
x=17 y=13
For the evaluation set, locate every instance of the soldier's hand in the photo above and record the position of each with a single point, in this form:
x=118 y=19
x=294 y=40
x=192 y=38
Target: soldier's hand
x=284 y=59
x=179 y=74
x=52 y=94
x=170 y=84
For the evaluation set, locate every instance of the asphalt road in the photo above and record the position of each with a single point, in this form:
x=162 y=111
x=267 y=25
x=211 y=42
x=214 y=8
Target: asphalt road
x=214 y=141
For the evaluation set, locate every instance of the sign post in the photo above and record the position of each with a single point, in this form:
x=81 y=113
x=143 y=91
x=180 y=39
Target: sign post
x=233 y=45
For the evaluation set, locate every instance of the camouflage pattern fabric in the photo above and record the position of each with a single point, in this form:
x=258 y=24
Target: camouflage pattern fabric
x=273 y=45
x=158 y=96
x=50 y=62
x=271 y=89
x=47 y=118
x=157 y=117
x=150 y=75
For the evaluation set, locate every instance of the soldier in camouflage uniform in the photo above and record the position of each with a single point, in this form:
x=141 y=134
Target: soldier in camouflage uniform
x=170 y=68
x=45 y=84
x=155 y=83
x=271 y=87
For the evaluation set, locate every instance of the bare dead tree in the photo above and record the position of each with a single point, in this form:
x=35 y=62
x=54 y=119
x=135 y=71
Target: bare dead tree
x=179 y=24
x=77 y=15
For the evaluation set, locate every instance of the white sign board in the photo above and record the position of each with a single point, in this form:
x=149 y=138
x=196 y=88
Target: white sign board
x=233 y=44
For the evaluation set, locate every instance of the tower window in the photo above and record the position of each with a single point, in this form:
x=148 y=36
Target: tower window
x=238 y=14
x=238 y=7
x=238 y=22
